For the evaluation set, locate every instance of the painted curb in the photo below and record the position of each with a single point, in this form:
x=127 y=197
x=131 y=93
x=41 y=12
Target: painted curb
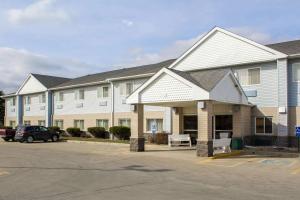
x=226 y=155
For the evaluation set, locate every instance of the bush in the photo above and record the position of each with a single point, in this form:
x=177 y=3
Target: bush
x=6 y=127
x=74 y=132
x=120 y=132
x=98 y=132
x=55 y=129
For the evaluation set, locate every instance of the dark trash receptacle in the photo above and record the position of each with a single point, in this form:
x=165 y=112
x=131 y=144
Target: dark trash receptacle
x=237 y=144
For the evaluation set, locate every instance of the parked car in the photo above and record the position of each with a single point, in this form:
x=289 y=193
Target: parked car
x=35 y=133
x=7 y=134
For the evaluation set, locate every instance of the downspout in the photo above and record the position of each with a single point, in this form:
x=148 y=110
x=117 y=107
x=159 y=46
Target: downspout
x=112 y=104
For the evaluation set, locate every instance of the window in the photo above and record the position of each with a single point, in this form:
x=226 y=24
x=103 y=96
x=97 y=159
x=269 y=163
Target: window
x=125 y=122
x=154 y=125
x=27 y=122
x=296 y=72
x=12 y=124
x=102 y=123
x=42 y=98
x=79 y=124
x=41 y=123
x=79 y=94
x=60 y=96
x=59 y=123
x=103 y=92
x=27 y=100
x=126 y=89
x=263 y=125
x=12 y=101
x=249 y=76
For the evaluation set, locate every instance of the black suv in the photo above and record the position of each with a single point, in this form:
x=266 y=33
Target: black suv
x=35 y=133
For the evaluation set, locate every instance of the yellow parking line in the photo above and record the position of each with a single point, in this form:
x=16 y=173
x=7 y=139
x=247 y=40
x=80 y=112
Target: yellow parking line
x=2 y=173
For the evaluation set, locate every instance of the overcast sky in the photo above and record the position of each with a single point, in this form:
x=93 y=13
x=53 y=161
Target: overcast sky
x=73 y=37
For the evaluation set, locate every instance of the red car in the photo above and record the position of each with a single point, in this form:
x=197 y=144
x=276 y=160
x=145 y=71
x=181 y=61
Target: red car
x=7 y=134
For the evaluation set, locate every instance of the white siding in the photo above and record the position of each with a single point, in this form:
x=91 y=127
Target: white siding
x=35 y=108
x=90 y=104
x=226 y=91
x=221 y=49
x=294 y=87
x=166 y=88
x=267 y=90
x=32 y=85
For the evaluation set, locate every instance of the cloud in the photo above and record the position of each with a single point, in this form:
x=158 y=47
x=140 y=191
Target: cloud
x=127 y=22
x=16 y=64
x=39 y=12
x=178 y=47
x=252 y=34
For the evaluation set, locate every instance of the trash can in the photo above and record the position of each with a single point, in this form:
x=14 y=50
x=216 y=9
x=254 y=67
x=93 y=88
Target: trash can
x=236 y=143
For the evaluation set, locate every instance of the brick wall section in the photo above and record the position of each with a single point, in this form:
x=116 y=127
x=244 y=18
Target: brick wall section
x=242 y=122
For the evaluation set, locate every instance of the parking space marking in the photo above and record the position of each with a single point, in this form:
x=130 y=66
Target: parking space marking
x=296 y=171
x=214 y=162
x=2 y=173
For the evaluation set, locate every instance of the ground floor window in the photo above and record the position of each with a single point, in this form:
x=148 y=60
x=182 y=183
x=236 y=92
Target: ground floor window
x=79 y=124
x=125 y=122
x=223 y=126
x=102 y=123
x=263 y=125
x=154 y=125
x=12 y=124
x=41 y=122
x=27 y=122
x=59 y=123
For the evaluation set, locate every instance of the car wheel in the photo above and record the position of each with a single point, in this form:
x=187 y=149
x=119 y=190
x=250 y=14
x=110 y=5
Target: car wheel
x=45 y=140
x=29 y=139
x=54 y=138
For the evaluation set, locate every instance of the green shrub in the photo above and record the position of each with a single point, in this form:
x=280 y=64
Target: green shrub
x=121 y=132
x=55 y=129
x=98 y=132
x=74 y=132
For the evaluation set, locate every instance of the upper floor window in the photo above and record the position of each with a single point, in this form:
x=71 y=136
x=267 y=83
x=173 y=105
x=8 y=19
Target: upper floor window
x=27 y=100
x=79 y=94
x=103 y=92
x=12 y=101
x=42 y=98
x=249 y=76
x=60 y=96
x=126 y=89
x=296 y=72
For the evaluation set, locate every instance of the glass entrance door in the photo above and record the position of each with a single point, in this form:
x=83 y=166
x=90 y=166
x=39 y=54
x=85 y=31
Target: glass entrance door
x=190 y=126
x=222 y=124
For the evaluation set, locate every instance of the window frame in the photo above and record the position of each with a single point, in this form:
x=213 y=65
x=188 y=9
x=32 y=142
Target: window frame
x=43 y=122
x=247 y=69
x=79 y=120
x=148 y=128
x=293 y=78
x=61 y=121
x=127 y=119
x=102 y=120
x=27 y=100
x=264 y=124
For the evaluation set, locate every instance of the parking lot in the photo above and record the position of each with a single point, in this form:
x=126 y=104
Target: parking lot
x=71 y=170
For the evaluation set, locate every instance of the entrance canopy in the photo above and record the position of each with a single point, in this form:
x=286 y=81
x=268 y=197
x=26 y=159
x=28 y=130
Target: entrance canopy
x=168 y=86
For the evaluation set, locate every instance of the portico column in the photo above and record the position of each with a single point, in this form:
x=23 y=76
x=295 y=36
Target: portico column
x=205 y=116
x=137 y=140
x=177 y=121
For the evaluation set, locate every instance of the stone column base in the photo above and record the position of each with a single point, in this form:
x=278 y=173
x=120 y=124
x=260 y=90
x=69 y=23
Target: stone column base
x=137 y=144
x=205 y=148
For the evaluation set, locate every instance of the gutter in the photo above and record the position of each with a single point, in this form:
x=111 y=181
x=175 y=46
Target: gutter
x=8 y=95
x=294 y=56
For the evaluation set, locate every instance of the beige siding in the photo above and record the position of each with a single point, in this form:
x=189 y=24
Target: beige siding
x=267 y=112
x=33 y=119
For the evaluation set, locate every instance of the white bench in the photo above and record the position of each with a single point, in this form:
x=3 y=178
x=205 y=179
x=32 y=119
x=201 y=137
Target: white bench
x=179 y=140
x=222 y=144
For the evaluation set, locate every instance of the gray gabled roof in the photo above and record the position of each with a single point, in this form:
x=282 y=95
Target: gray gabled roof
x=289 y=47
x=94 y=78
x=50 y=81
x=206 y=79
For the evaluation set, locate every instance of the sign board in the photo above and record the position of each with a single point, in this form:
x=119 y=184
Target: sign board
x=298 y=131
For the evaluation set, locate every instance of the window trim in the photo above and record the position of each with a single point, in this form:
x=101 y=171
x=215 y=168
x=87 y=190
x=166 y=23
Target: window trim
x=295 y=81
x=127 y=119
x=158 y=131
x=264 y=117
x=82 y=129
x=249 y=85
x=59 y=120
x=102 y=123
